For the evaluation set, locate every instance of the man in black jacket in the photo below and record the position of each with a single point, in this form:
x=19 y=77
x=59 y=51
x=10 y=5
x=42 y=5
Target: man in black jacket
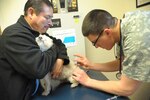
x=21 y=60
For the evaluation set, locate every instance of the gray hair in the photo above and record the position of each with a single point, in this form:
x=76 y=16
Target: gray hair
x=37 y=5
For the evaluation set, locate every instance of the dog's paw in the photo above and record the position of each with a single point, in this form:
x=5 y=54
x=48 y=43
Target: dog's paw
x=74 y=85
x=45 y=93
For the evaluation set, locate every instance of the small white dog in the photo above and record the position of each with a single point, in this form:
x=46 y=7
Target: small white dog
x=45 y=43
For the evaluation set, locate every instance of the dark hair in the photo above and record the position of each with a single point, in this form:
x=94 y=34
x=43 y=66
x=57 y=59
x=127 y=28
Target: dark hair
x=96 y=20
x=37 y=5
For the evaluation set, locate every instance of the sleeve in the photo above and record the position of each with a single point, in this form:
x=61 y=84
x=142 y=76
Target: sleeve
x=62 y=53
x=136 y=63
x=25 y=56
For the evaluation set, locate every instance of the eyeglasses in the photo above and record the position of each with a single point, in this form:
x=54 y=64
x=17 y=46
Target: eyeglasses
x=94 y=43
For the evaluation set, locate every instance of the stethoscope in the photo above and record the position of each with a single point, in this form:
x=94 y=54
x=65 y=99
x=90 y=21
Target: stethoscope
x=118 y=75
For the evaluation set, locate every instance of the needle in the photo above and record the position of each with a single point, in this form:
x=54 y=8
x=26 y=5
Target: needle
x=113 y=98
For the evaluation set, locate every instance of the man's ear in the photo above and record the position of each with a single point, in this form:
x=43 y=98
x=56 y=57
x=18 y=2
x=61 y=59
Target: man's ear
x=107 y=31
x=30 y=12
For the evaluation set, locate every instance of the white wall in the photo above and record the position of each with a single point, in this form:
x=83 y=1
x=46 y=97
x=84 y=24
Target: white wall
x=10 y=11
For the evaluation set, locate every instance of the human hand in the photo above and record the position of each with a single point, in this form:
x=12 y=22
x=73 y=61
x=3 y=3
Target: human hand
x=81 y=76
x=82 y=61
x=56 y=72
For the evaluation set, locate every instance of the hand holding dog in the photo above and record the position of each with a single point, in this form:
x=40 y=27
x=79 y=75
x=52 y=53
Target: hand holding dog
x=81 y=76
x=56 y=72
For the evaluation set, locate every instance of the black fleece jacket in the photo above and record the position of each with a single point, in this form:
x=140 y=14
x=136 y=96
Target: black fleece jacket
x=22 y=61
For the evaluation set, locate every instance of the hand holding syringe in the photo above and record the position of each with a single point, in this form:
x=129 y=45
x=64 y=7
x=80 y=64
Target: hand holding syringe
x=81 y=61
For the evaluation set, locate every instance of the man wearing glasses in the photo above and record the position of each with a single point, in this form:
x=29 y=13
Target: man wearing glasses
x=131 y=35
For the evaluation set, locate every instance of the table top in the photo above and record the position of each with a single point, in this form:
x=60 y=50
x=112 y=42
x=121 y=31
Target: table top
x=65 y=92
